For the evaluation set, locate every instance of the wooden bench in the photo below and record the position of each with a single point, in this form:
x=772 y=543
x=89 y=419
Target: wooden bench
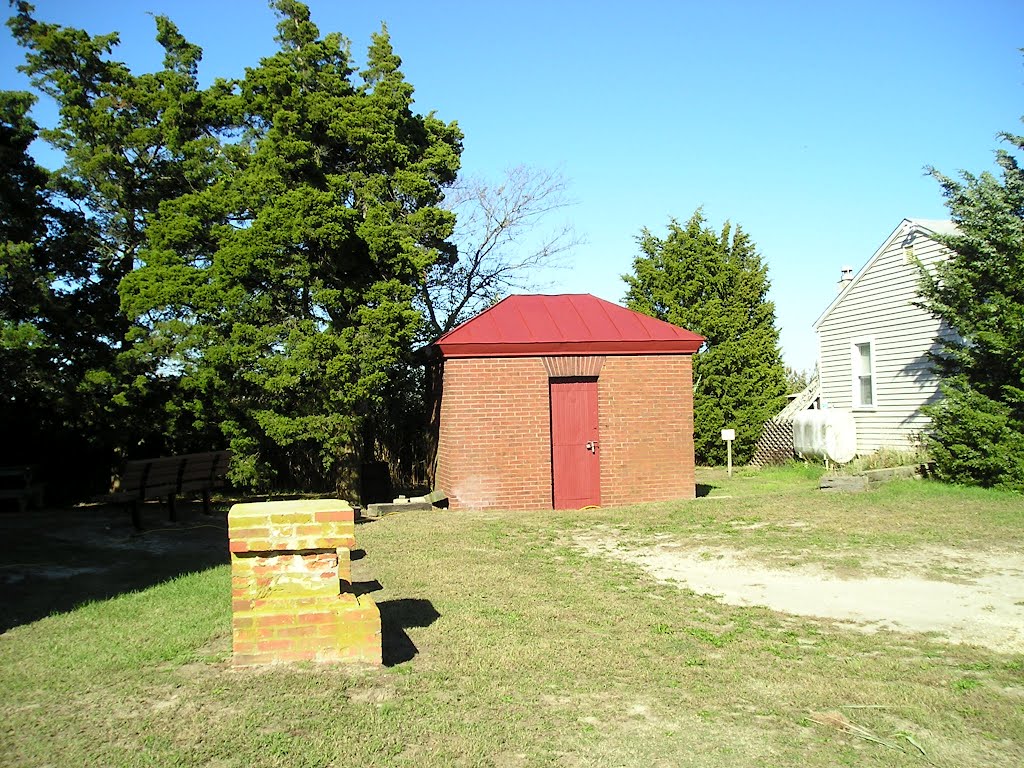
x=167 y=478
x=17 y=483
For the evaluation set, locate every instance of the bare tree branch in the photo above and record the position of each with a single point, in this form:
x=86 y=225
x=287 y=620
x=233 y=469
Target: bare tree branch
x=501 y=243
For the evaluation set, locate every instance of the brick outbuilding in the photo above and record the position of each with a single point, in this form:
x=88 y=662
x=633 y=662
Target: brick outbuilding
x=564 y=402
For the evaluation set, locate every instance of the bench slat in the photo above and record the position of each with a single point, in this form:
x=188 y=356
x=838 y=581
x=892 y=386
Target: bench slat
x=169 y=476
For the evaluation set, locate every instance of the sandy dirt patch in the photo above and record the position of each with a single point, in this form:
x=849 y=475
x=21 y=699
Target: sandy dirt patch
x=982 y=602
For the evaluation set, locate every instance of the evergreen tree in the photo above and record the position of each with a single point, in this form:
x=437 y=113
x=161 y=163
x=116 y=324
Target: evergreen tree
x=977 y=434
x=715 y=284
x=282 y=291
x=128 y=142
x=51 y=316
x=798 y=380
x=31 y=383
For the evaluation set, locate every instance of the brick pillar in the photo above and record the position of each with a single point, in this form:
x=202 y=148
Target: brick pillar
x=291 y=577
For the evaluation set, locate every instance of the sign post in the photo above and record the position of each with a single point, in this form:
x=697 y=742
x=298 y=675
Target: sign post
x=729 y=435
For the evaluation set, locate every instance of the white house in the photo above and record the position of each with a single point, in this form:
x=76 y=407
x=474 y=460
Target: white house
x=873 y=342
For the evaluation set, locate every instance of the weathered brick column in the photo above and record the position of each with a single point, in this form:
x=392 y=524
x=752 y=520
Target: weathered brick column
x=291 y=577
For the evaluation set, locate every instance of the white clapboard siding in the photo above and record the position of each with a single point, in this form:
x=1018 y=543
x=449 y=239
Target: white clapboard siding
x=878 y=305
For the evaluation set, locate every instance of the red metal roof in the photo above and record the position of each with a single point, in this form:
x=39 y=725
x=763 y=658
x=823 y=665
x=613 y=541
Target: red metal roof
x=568 y=324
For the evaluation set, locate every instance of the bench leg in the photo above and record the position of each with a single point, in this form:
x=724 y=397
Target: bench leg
x=172 y=509
x=206 y=503
x=136 y=515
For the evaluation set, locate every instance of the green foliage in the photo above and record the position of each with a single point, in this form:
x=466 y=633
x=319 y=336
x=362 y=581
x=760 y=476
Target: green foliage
x=281 y=290
x=977 y=432
x=53 y=317
x=715 y=284
x=797 y=380
x=231 y=264
x=975 y=439
x=27 y=380
x=128 y=142
x=886 y=458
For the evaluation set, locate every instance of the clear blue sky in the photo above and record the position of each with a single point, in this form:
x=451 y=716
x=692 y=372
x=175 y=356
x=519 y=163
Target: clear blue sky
x=808 y=123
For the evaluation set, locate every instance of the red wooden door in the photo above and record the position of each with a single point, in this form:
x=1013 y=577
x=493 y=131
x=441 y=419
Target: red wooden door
x=575 y=462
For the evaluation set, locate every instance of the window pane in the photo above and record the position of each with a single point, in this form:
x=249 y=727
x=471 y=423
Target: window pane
x=865 y=391
x=864 y=353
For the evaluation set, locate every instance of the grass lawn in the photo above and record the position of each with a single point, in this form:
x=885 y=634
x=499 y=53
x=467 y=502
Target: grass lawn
x=509 y=646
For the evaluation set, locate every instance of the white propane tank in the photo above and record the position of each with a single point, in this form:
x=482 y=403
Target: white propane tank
x=826 y=434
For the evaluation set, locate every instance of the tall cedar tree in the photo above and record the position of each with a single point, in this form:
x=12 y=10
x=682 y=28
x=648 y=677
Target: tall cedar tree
x=29 y=375
x=128 y=142
x=715 y=284
x=977 y=433
x=281 y=292
x=48 y=341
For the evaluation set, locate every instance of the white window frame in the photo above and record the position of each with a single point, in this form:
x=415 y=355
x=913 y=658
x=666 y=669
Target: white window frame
x=855 y=375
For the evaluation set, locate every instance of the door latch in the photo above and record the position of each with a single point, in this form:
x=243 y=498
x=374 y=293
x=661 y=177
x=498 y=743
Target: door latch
x=592 y=446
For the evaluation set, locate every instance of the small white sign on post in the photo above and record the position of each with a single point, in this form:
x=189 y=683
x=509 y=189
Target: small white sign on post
x=729 y=435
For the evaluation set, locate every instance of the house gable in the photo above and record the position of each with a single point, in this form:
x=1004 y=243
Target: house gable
x=904 y=232
x=874 y=342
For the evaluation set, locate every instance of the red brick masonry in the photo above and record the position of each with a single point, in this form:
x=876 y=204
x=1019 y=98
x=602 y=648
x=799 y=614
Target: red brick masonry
x=290 y=582
x=494 y=447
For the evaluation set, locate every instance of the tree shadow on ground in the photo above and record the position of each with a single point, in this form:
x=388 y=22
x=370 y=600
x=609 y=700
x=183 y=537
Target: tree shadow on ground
x=54 y=560
x=395 y=617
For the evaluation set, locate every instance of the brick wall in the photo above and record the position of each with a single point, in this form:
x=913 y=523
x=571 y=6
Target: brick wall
x=494 y=445
x=645 y=406
x=291 y=596
x=494 y=442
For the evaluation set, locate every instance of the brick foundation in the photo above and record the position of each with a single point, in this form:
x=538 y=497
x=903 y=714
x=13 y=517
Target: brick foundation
x=291 y=579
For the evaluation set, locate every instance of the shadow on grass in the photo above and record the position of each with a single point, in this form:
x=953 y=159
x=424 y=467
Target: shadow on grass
x=363 y=587
x=395 y=617
x=54 y=560
x=703 y=489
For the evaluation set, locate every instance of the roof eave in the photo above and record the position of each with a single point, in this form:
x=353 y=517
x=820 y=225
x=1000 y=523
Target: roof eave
x=856 y=278
x=561 y=349
x=928 y=227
